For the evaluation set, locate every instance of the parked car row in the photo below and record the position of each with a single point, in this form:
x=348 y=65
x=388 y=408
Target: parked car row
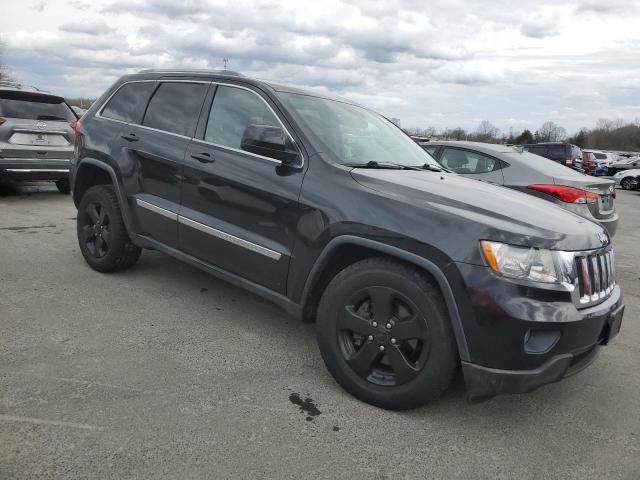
x=328 y=209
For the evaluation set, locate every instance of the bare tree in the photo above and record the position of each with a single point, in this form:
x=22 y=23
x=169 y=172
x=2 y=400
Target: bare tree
x=4 y=72
x=551 y=132
x=456 y=133
x=486 y=132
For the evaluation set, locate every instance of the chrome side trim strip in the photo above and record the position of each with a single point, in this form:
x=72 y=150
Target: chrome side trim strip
x=42 y=170
x=155 y=209
x=230 y=238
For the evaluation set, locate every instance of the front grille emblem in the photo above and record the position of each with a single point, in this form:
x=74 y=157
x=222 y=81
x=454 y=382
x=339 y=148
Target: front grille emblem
x=41 y=125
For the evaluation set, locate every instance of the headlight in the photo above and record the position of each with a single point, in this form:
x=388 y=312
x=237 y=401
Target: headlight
x=522 y=263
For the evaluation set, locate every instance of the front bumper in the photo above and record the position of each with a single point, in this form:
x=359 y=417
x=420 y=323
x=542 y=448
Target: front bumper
x=34 y=169
x=521 y=337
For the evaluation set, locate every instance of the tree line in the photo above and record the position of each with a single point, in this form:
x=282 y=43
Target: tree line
x=607 y=135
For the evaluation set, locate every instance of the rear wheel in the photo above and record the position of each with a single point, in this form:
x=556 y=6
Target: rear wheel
x=103 y=238
x=629 y=183
x=63 y=186
x=385 y=336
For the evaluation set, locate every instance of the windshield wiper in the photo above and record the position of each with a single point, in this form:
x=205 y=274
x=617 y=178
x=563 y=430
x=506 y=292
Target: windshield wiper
x=382 y=165
x=432 y=168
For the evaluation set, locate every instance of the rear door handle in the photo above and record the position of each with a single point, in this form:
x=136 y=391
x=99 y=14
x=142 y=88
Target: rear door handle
x=203 y=157
x=131 y=137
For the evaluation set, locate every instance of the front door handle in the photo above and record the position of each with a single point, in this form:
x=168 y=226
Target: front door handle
x=203 y=157
x=130 y=137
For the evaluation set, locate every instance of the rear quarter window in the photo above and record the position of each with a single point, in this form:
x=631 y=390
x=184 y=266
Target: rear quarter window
x=34 y=106
x=129 y=102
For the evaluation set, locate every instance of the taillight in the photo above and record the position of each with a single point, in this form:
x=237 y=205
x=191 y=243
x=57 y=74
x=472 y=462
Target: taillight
x=75 y=126
x=2 y=120
x=566 y=194
x=568 y=161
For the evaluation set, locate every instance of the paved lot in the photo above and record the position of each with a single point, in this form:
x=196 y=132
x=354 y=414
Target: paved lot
x=165 y=372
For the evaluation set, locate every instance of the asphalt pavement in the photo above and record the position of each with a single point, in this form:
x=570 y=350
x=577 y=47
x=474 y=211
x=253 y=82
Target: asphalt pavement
x=164 y=372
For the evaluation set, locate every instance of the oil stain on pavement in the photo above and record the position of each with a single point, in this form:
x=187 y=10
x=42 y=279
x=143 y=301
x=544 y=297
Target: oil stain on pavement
x=306 y=406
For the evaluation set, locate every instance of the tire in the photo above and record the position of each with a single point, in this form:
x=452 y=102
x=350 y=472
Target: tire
x=63 y=186
x=416 y=367
x=628 y=183
x=103 y=238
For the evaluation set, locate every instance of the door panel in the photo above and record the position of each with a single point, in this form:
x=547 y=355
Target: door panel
x=239 y=210
x=157 y=157
x=245 y=209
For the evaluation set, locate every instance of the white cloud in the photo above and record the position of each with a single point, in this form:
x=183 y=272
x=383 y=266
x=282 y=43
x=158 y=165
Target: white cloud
x=450 y=62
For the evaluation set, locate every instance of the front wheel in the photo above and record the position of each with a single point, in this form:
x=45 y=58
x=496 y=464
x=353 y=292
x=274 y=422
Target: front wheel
x=385 y=335
x=103 y=238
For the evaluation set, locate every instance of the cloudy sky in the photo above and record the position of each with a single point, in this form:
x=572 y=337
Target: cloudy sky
x=442 y=63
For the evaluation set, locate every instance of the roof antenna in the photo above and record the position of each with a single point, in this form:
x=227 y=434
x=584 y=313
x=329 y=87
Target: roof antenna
x=226 y=62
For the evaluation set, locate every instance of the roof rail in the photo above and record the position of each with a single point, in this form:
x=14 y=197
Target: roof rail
x=206 y=72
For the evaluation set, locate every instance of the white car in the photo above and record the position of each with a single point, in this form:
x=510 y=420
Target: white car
x=628 y=179
x=602 y=157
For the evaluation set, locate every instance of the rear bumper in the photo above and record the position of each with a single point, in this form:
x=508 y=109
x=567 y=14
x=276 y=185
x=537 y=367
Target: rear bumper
x=33 y=169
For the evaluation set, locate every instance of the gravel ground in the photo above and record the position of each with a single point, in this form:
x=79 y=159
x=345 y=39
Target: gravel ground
x=165 y=372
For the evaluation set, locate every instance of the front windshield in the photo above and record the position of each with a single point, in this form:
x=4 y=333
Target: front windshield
x=356 y=135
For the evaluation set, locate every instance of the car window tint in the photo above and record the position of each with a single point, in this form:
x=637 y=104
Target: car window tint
x=601 y=156
x=175 y=107
x=232 y=112
x=557 y=151
x=465 y=161
x=128 y=104
x=431 y=149
x=34 y=106
x=537 y=149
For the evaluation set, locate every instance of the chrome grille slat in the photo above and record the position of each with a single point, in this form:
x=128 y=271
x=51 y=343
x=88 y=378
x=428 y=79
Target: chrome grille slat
x=596 y=276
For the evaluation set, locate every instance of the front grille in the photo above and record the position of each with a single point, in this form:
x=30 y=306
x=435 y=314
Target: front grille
x=596 y=276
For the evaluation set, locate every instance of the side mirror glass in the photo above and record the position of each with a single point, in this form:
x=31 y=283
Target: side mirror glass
x=272 y=142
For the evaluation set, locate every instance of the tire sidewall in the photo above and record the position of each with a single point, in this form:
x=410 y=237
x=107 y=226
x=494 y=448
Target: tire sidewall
x=441 y=361
x=119 y=236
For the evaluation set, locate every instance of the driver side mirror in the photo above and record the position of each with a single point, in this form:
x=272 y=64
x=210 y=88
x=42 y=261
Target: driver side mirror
x=272 y=142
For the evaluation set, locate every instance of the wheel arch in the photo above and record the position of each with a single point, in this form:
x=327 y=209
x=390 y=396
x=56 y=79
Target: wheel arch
x=345 y=250
x=91 y=172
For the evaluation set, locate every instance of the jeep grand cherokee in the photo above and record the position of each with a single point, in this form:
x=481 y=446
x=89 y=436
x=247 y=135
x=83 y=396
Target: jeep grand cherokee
x=330 y=211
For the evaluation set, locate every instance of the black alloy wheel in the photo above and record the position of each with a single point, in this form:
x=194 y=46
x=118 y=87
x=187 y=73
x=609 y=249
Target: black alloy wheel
x=382 y=336
x=102 y=235
x=385 y=335
x=96 y=230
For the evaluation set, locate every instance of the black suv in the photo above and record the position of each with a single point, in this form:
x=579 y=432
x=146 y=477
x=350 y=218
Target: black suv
x=565 y=153
x=332 y=212
x=36 y=135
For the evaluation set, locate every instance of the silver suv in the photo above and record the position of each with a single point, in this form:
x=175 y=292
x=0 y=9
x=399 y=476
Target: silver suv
x=36 y=136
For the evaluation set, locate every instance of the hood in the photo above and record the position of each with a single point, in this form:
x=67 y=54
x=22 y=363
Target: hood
x=493 y=212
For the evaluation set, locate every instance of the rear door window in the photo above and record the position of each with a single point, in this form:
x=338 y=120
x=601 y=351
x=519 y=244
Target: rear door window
x=431 y=149
x=34 y=106
x=175 y=107
x=465 y=161
x=129 y=102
